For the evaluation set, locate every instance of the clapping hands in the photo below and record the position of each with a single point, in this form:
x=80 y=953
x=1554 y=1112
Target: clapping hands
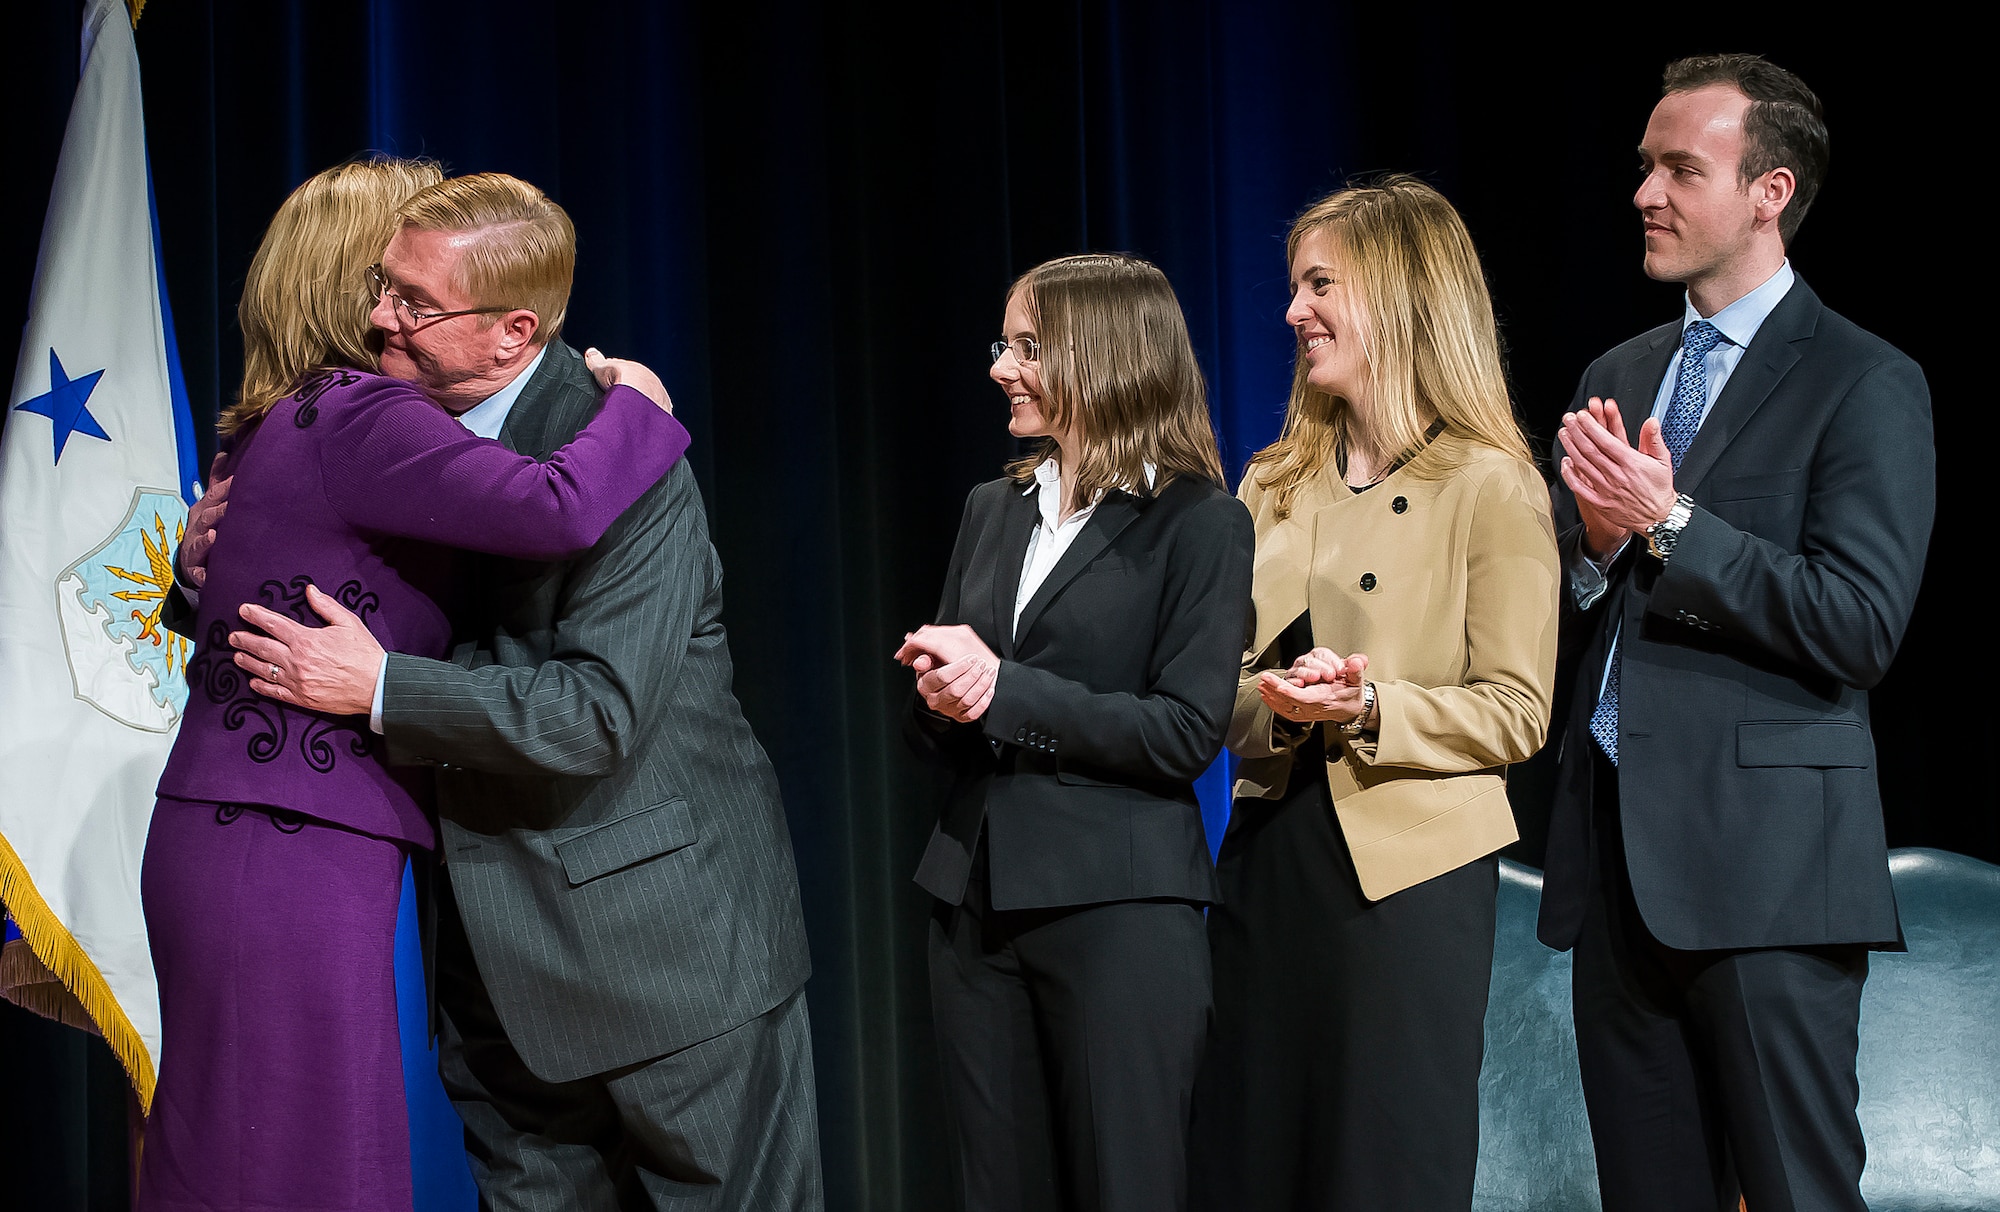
x=955 y=670
x=1620 y=489
x=1320 y=685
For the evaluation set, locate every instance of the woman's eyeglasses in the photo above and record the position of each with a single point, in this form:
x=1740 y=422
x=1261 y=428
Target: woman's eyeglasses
x=1024 y=349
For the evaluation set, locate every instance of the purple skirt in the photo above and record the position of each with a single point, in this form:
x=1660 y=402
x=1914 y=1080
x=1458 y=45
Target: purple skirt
x=281 y=1077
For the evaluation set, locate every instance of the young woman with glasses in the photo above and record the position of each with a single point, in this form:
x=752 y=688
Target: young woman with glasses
x=1078 y=679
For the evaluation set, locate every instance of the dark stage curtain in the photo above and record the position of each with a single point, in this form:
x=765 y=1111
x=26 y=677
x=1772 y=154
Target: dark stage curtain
x=805 y=215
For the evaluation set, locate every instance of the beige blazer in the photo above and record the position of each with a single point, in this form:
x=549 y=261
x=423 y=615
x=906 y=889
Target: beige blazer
x=1448 y=583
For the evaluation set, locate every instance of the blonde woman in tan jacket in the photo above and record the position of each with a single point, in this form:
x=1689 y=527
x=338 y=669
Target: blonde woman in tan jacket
x=1402 y=654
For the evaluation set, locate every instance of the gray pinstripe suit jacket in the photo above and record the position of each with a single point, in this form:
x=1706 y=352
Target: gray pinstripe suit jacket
x=612 y=828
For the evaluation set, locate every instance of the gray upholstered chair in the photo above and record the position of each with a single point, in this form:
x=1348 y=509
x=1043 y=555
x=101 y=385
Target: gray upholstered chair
x=1930 y=1054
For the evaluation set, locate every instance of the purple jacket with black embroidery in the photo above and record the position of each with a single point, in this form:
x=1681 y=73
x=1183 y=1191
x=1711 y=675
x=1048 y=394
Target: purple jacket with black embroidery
x=362 y=486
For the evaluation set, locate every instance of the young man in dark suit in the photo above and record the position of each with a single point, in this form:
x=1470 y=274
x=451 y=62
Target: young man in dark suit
x=1745 y=505
x=621 y=954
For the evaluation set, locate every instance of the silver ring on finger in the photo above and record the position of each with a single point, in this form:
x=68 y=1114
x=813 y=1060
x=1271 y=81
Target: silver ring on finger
x=274 y=672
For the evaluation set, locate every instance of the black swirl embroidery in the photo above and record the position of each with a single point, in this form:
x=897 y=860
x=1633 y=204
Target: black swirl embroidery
x=214 y=669
x=314 y=749
x=319 y=750
x=283 y=820
x=312 y=389
x=214 y=666
x=266 y=744
x=352 y=596
x=319 y=746
x=289 y=597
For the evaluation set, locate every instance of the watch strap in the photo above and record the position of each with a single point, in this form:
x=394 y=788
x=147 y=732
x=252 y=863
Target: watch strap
x=1357 y=725
x=1663 y=535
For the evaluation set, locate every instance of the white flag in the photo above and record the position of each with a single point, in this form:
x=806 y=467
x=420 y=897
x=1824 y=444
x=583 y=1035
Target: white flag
x=95 y=462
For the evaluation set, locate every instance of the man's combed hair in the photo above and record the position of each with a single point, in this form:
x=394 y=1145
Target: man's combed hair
x=524 y=253
x=1784 y=128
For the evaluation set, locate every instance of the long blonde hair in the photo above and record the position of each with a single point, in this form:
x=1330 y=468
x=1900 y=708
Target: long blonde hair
x=306 y=298
x=1119 y=372
x=1430 y=340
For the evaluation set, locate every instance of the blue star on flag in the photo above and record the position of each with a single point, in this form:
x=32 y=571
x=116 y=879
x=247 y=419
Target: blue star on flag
x=64 y=404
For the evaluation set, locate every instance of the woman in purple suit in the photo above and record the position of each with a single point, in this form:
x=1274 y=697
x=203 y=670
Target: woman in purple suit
x=274 y=864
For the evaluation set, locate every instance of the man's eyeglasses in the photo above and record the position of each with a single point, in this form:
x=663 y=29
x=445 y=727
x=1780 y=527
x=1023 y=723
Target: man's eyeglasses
x=1025 y=349
x=378 y=285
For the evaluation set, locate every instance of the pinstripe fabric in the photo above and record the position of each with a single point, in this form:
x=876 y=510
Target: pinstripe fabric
x=725 y=1124
x=612 y=828
x=722 y=1088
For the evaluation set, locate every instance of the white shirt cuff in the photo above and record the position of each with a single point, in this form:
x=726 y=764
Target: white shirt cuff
x=1586 y=575
x=375 y=708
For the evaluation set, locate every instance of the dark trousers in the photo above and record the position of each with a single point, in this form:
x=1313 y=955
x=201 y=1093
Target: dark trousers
x=726 y=1124
x=1070 y=1039
x=1343 y=1072
x=1709 y=1073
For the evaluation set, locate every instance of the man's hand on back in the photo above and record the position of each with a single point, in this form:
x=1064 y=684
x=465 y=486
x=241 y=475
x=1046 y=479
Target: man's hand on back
x=331 y=668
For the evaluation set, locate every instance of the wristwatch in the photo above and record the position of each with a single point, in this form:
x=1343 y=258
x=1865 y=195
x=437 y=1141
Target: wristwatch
x=1353 y=727
x=1663 y=534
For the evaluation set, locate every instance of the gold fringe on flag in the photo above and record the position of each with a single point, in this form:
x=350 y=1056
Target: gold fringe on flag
x=27 y=982
x=59 y=953
x=135 y=6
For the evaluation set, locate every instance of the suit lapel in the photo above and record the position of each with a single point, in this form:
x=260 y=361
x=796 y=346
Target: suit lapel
x=527 y=428
x=1112 y=515
x=1643 y=376
x=1771 y=354
x=1017 y=520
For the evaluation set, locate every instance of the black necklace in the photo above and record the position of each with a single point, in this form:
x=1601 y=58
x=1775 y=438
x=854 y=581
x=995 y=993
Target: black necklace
x=1340 y=459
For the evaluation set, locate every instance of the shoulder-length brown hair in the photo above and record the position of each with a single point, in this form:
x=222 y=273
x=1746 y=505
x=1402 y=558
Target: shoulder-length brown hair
x=1432 y=346
x=1117 y=369
x=306 y=298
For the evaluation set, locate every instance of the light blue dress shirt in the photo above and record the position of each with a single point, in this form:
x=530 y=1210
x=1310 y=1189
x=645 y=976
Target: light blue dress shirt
x=1738 y=323
x=486 y=418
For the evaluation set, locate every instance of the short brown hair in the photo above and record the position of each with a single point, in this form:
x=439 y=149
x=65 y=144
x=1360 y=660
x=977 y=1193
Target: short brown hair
x=1431 y=341
x=1784 y=127
x=1117 y=370
x=525 y=256
x=306 y=298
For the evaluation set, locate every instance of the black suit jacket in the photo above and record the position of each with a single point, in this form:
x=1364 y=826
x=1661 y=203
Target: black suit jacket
x=1112 y=698
x=612 y=829
x=1746 y=774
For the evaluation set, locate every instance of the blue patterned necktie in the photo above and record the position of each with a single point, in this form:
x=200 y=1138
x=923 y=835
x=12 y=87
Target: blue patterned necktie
x=1677 y=430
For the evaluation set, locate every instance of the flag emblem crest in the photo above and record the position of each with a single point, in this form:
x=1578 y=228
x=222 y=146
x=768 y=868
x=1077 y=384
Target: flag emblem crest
x=121 y=660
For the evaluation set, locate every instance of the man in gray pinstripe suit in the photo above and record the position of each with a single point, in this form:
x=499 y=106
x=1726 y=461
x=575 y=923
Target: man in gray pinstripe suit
x=621 y=956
